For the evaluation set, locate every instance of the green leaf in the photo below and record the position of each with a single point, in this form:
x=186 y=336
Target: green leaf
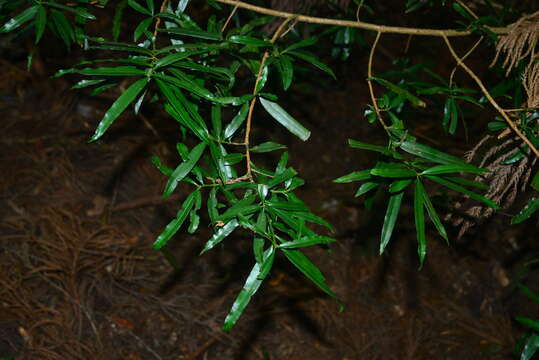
x=41 y=20
x=308 y=269
x=399 y=185
x=151 y=6
x=20 y=19
x=535 y=181
x=534 y=325
x=282 y=177
x=258 y=249
x=141 y=28
x=530 y=347
x=303 y=43
x=243 y=207
x=365 y=188
x=400 y=91
x=253 y=282
x=216 y=120
x=135 y=5
x=267 y=147
x=463 y=190
x=314 y=61
x=279 y=114
x=390 y=219
x=431 y=211
x=393 y=172
x=248 y=40
x=497 y=125
x=179 y=110
x=452 y=168
x=363 y=146
x=526 y=212
x=261 y=81
x=64 y=28
x=164 y=169
x=199 y=34
x=119 y=106
x=173 y=227
x=117 y=19
x=220 y=235
x=194 y=219
x=184 y=168
x=419 y=216
x=172 y=58
x=309 y=240
x=236 y=122
x=78 y=11
x=428 y=153
x=286 y=69
x=85 y=83
x=212 y=205
x=105 y=71
x=354 y=176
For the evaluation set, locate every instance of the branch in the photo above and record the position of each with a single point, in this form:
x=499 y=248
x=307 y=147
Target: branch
x=369 y=82
x=357 y=24
x=490 y=98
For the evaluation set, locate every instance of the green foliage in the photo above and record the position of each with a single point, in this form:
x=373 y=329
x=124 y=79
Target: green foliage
x=198 y=73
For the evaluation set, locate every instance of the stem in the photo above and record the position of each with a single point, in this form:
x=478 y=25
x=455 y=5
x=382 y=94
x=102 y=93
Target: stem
x=276 y=35
x=357 y=24
x=490 y=98
x=158 y=21
x=369 y=82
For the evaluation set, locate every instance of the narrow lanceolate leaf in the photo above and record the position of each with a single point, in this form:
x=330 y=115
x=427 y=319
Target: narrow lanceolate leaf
x=253 y=282
x=41 y=21
x=393 y=172
x=399 y=185
x=220 y=235
x=313 y=60
x=83 y=13
x=419 y=216
x=236 y=122
x=527 y=212
x=249 y=40
x=267 y=147
x=307 y=241
x=139 y=7
x=390 y=219
x=354 y=176
x=400 y=91
x=530 y=347
x=119 y=106
x=463 y=190
x=173 y=227
x=212 y=205
x=184 y=168
x=432 y=212
x=64 y=28
x=258 y=249
x=141 y=28
x=365 y=188
x=174 y=57
x=286 y=69
x=279 y=114
x=452 y=168
x=364 y=146
x=199 y=34
x=428 y=153
x=308 y=269
x=20 y=19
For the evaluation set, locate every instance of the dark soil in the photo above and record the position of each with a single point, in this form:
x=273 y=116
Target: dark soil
x=80 y=281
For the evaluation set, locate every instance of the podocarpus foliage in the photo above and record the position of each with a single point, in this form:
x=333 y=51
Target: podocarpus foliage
x=192 y=70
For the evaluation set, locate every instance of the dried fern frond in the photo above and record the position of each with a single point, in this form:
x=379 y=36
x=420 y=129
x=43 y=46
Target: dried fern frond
x=530 y=81
x=519 y=42
x=505 y=181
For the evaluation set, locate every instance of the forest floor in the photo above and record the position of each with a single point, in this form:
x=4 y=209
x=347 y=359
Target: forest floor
x=78 y=278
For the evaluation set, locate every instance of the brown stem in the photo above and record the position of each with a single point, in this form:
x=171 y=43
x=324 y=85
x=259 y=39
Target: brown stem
x=357 y=24
x=369 y=82
x=493 y=102
x=158 y=21
x=276 y=35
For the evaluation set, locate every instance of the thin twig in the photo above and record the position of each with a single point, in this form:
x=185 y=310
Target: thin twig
x=158 y=21
x=490 y=98
x=229 y=18
x=357 y=24
x=369 y=82
x=276 y=35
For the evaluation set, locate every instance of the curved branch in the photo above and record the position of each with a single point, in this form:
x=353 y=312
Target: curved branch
x=357 y=24
x=493 y=102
